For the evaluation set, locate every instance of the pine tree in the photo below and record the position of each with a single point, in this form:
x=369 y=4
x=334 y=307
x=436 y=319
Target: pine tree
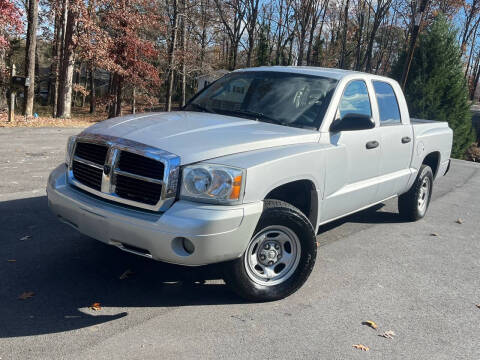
x=262 y=47
x=436 y=87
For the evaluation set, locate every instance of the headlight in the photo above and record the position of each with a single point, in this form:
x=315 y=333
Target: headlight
x=69 y=150
x=213 y=183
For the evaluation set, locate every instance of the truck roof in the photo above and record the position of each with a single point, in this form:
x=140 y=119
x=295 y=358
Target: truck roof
x=309 y=70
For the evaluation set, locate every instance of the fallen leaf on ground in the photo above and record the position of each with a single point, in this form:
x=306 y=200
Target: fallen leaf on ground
x=126 y=274
x=26 y=237
x=26 y=295
x=12 y=260
x=317 y=243
x=371 y=324
x=459 y=221
x=478 y=306
x=388 y=334
x=96 y=306
x=433 y=234
x=361 y=347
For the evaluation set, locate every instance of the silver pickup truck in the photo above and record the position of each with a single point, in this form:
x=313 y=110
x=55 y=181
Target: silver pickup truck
x=248 y=170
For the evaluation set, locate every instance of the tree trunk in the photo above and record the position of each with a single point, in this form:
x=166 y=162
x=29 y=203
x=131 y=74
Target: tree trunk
x=344 y=36
x=184 y=48
x=119 y=97
x=413 y=41
x=30 y=56
x=171 y=58
x=85 y=84
x=64 y=108
x=92 y=90
x=60 y=23
x=134 y=103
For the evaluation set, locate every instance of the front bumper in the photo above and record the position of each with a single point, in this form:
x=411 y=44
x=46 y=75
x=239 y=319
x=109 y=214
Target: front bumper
x=218 y=233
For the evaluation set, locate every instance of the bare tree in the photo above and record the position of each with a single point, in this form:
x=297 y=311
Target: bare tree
x=67 y=64
x=31 y=47
x=232 y=15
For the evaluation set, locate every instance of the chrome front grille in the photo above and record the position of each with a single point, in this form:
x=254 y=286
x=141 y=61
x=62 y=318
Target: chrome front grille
x=140 y=165
x=137 y=190
x=91 y=152
x=87 y=175
x=128 y=172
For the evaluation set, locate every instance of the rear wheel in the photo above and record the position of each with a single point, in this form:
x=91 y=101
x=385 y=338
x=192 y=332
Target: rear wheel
x=279 y=257
x=413 y=205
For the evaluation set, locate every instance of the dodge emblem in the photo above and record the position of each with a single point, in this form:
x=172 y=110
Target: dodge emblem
x=106 y=169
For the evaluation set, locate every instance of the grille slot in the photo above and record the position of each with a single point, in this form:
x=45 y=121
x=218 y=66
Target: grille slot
x=92 y=152
x=141 y=165
x=137 y=190
x=87 y=175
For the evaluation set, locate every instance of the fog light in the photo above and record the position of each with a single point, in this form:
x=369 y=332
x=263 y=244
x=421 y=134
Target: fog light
x=188 y=246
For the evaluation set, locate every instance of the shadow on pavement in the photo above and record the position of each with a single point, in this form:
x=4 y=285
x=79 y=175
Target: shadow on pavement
x=68 y=272
x=372 y=215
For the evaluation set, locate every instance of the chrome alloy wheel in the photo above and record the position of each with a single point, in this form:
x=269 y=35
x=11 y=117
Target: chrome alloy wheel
x=424 y=195
x=272 y=255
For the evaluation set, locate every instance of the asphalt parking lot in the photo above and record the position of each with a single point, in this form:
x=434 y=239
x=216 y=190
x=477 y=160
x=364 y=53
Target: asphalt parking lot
x=420 y=280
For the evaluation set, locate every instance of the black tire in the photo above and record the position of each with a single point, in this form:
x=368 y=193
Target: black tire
x=276 y=213
x=408 y=203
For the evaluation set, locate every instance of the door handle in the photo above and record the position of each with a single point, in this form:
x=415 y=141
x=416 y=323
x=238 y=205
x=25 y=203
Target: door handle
x=372 y=144
x=406 y=139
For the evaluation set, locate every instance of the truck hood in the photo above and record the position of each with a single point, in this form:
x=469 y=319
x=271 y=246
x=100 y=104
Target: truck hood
x=196 y=136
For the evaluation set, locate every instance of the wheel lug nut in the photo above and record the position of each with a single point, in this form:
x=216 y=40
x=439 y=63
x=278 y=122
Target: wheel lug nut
x=270 y=263
x=277 y=247
x=267 y=246
x=262 y=257
x=279 y=256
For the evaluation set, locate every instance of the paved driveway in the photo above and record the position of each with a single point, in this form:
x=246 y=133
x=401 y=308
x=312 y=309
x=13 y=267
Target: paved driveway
x=371 y=266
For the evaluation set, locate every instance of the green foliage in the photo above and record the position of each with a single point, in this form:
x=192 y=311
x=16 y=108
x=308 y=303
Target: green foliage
x=263 y=47
x=436 y=87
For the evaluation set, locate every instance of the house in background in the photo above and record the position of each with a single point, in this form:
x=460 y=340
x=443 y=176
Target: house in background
x=204 y=80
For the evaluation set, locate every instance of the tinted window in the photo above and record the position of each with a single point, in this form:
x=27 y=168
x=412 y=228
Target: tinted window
x=289 y=99
x=355 y=99
x=387 y=103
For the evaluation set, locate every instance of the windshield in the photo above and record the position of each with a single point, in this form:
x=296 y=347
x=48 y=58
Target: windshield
x=282 y=98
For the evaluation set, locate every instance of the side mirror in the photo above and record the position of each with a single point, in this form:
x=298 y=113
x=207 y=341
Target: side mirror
x=351 y=122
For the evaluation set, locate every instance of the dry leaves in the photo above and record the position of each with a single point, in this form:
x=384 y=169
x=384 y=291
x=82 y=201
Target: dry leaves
x=388 y=334
x=12 y=260
x=26 y=295
x=126 y=274
x=96 y=306
x=478 y=306
x=459 y=221
x=433 y=234
x=371 y=324
x=26 y=237
x=361 y=347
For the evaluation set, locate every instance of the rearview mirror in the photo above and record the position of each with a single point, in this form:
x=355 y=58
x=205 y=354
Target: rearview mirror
x=351 y=122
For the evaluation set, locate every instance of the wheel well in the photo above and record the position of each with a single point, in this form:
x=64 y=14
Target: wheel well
x=432 y=160
x=301 y=194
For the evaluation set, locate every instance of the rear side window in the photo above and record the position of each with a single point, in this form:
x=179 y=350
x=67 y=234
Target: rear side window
x=387 y=103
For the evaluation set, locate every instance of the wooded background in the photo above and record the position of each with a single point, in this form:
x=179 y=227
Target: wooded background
x=117 y=56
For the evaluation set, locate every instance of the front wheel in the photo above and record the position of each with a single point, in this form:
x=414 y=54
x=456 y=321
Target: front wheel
x=413 y=204
x=279 y=257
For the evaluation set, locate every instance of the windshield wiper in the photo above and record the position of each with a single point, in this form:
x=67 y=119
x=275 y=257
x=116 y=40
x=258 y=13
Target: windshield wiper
x=201 y=108
x=257 y=115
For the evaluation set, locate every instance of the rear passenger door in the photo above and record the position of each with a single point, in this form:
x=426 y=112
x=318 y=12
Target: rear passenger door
x=397 y=141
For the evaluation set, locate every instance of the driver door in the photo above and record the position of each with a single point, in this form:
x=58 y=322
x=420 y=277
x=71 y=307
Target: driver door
x=353 y=163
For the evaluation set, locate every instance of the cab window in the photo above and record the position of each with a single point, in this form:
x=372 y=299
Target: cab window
x=355 y=99
x=387 y=103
